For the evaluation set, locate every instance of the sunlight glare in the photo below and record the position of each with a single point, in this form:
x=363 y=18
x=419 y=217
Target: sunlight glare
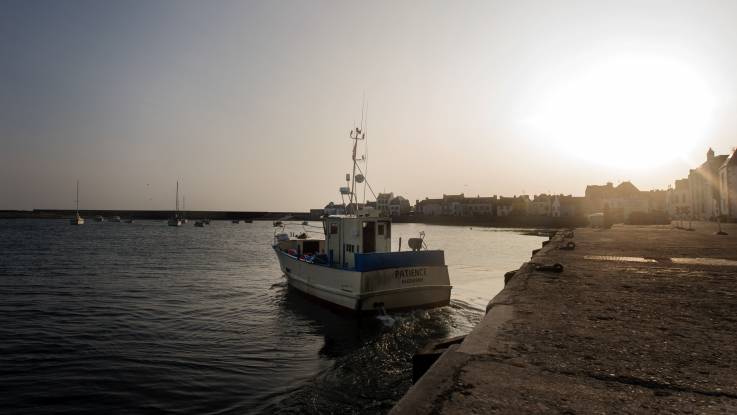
x=629 y=112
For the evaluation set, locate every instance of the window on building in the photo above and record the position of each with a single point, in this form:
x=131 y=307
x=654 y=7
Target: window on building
x=381 y=229
x=333 y=228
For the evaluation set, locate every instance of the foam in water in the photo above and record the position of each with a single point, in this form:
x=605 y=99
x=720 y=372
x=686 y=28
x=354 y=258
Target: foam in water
x=385 y=318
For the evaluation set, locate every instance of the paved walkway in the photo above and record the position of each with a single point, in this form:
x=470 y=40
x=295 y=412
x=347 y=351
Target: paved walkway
x=623 y=329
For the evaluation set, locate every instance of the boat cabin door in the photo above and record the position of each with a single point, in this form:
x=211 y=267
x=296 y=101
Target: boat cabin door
x=369 y=236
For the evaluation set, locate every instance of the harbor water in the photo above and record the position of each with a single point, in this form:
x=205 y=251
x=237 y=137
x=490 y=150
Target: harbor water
x=146 y=318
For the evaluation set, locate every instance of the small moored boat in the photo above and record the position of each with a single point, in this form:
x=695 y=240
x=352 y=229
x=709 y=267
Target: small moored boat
x=176 y=219
x=77 y=220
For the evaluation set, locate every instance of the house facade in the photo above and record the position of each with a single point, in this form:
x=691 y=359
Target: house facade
x=678 y=200
x=704 y=184
x=429 y=207
x=541 y=205
x=478 y=206
x=399 y=206
x=728 y=187
x=334 y=209
x=382 y=202
x=619 y=202
x=453 y=205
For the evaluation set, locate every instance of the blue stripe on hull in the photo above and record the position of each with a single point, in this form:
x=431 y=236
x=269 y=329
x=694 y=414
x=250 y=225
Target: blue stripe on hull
x=383 y=260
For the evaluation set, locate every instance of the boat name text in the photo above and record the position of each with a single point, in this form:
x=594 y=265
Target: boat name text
x=410 y=275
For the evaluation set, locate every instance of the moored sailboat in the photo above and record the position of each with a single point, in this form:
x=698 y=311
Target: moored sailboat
x=176 y=219
x=77 y=220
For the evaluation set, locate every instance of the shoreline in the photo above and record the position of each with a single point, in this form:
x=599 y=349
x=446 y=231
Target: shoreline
x=624 y=327
x=523 y=222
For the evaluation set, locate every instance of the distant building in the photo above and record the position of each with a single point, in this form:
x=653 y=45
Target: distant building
x=541 y=205
x=478 y=206
x=382 y=202
x=354 y=207
x=656 y=200
x=512 y=206
x=596 y=197
x=457 y=205
x=678 y=200
x=521 y=205
x=429 y=207
x=334 y=209
x=703 y=183
x=728 y=186
x=453 y=205
x=504 y=206
x=399 y=206
x=566 y=206
x=618 y=202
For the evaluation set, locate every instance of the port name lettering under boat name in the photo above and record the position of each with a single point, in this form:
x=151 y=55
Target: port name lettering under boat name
x=414 y=274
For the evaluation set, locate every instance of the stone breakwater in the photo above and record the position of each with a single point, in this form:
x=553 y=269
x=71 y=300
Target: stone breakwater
x=640 y=319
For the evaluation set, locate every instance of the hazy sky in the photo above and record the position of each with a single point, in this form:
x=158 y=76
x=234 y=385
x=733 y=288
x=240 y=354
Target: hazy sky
x=249 y=103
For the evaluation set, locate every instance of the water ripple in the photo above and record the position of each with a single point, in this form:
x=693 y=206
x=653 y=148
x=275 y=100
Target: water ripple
x=144 y=318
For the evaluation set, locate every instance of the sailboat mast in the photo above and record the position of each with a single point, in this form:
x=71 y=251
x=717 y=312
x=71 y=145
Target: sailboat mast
x=176 y=204
x=77 y=197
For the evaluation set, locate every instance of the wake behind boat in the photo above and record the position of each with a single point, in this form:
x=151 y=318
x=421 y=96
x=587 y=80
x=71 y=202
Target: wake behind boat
x=352 y=265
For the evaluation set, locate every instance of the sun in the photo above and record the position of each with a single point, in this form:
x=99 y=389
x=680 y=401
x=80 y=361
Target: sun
x=628 y=112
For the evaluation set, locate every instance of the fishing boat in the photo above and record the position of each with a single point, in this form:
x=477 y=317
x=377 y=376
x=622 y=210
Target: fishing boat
x=99 y=218
x=235 y=221
x=176 y=219
x=199 y=224
x=115 y=219
x=351 y=265
x=129 y=220
x=77 y=220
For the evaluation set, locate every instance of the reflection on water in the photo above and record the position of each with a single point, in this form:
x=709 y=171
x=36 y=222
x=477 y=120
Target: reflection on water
x=149 y=318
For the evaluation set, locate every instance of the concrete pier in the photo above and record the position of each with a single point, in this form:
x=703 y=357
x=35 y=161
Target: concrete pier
x=640 y=320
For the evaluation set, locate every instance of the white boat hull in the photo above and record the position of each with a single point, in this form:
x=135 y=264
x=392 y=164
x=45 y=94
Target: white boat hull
x=390 y=289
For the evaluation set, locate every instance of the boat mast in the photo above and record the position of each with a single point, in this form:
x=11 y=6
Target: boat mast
x=355 y=135
x=77 y=197
x=176 y=204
